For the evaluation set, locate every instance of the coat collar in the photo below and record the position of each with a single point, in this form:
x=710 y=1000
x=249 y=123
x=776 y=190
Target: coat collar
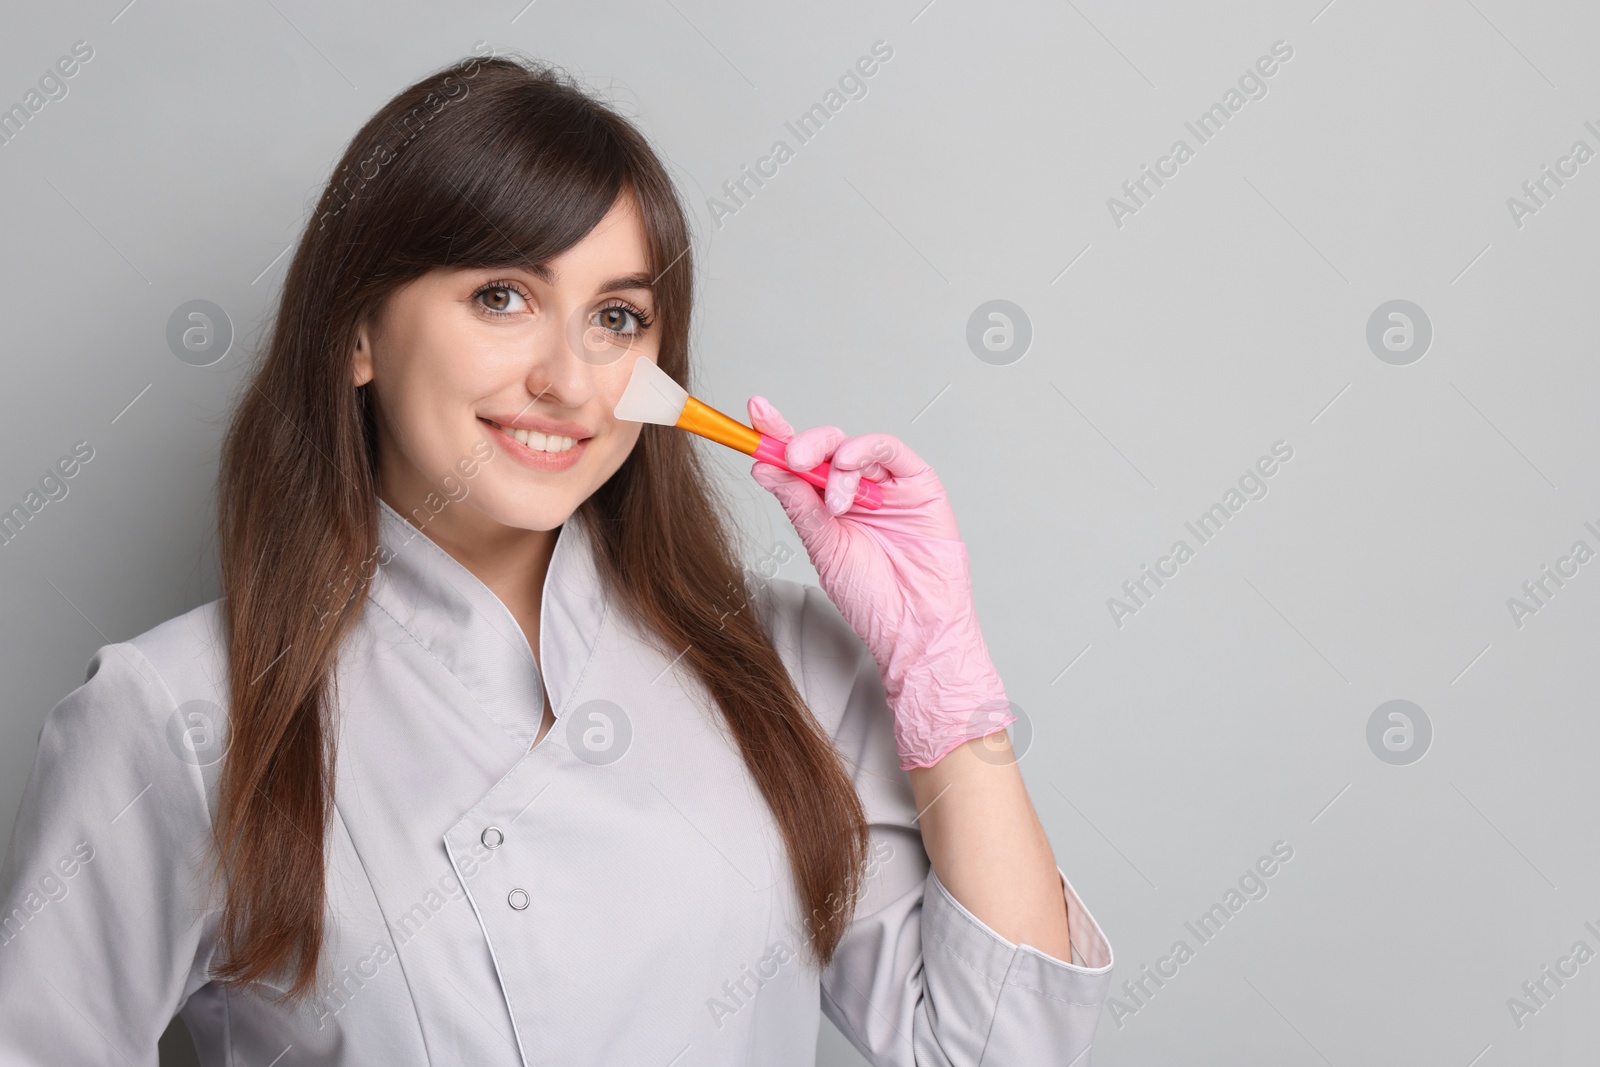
x=471 y=632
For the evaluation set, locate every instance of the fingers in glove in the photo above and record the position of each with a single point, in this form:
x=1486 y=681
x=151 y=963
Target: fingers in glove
x=880 y=450
x=840 y=492
x=809 y=447
x=798 y=498
x=766 y=418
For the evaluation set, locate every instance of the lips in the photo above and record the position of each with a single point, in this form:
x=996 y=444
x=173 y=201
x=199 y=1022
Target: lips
x=537 y=440
x=543 y=423
x=535 y=449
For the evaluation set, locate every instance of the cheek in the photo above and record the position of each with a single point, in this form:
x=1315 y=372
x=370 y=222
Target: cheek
x=617 y=444
x=612 y=378
x=421 y=402
x=620 y=439
x=409 y=401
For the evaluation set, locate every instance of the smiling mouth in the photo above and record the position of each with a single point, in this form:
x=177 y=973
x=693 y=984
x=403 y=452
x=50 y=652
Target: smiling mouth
x=539 y=442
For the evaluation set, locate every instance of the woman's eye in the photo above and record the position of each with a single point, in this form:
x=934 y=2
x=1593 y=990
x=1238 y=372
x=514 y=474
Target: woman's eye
x=501 y=299
x=619 y=320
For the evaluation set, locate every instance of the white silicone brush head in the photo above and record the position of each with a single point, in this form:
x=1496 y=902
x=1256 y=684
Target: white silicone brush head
x=651 y=396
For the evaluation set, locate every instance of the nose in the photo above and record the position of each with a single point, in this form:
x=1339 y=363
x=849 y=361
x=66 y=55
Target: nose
x=558 y=372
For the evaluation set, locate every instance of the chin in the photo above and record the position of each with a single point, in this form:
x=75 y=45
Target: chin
x=535 y=514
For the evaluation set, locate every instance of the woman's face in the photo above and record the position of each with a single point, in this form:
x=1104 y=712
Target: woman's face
x=464 y=362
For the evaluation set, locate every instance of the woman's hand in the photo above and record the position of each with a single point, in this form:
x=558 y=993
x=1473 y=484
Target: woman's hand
x=899 y=577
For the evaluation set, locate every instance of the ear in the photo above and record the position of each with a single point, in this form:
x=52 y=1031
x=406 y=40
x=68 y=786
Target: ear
x=362 y=360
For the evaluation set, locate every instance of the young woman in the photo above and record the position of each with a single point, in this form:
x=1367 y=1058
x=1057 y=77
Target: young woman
x=492 y=753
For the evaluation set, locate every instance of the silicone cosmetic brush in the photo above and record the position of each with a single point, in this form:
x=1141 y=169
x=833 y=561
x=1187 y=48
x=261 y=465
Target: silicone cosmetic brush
x=652 y=396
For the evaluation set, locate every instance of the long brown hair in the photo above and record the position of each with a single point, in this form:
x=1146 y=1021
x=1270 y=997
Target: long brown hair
x=489 y=162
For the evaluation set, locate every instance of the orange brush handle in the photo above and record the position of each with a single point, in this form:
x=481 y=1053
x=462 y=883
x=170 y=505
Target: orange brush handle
x=713 y=425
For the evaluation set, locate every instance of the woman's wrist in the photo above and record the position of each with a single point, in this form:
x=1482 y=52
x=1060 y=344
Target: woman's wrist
x=944 y=703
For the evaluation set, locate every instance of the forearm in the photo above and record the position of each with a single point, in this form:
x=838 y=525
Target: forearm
x=987 y=844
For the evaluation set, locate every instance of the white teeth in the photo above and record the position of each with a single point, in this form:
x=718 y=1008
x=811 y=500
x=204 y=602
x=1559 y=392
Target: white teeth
x=540 y=442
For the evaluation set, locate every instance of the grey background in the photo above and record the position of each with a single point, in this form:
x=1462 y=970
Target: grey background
x=1229 y=313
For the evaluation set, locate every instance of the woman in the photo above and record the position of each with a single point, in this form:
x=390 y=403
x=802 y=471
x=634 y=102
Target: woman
x=507 y=772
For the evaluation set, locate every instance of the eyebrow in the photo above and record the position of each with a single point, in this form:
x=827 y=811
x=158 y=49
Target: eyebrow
x=630 y=281
x=641 y=280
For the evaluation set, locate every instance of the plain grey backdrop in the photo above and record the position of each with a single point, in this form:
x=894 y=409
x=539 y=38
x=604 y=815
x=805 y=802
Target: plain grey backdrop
x=1157 y=342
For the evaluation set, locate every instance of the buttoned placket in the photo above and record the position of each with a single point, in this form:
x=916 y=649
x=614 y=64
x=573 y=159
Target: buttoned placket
x=471 y=632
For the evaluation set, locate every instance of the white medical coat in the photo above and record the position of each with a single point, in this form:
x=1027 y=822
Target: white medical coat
x=617 y=894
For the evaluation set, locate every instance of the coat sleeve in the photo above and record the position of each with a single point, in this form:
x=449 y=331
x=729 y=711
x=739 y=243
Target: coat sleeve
x=919 y=981
x=102 y=889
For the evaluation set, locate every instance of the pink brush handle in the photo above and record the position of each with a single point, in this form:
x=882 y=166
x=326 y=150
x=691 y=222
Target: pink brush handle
x=869 y=494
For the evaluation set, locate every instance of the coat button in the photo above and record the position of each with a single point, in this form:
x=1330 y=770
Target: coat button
x=518 y=899
x=492 y=837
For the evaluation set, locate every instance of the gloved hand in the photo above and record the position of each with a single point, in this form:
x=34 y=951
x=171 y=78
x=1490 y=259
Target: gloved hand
x=899 y=577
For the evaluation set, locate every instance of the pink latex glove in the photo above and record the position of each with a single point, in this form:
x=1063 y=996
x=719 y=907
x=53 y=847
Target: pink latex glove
x=899 y=577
